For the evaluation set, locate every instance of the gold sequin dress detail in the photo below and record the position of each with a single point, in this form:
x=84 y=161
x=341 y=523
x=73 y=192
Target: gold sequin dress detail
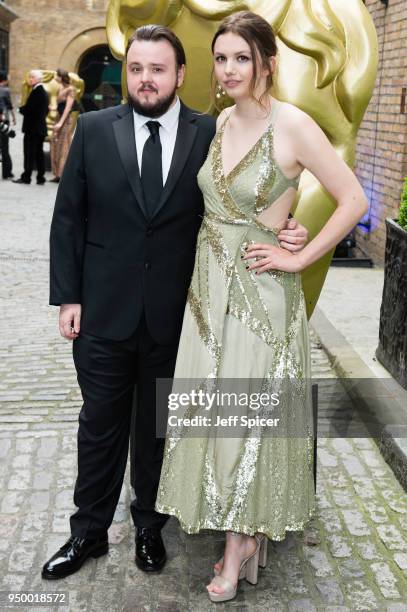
x=251 y=328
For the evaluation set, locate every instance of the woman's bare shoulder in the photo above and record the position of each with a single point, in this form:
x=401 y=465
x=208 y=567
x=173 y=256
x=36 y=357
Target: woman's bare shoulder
x=294 y=117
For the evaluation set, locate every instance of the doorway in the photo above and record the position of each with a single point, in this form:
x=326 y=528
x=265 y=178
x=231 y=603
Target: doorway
x=102 y=75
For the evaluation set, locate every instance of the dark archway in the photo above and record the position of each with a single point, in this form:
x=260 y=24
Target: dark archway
x=102 y=75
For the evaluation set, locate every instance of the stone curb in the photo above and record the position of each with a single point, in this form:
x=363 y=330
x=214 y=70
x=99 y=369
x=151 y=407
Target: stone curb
x=387 y=409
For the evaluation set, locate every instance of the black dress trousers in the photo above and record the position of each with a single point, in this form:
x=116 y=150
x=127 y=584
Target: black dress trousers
x=6 y=163
x=33 y=156
x=107 y=373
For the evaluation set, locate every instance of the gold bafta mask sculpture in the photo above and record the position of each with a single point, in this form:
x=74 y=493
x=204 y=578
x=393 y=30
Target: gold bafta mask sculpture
x=51 y=86
x=327 y=66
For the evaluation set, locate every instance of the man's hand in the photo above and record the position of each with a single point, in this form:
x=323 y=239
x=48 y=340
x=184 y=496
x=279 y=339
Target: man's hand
x=70 y=320
x=294 y=237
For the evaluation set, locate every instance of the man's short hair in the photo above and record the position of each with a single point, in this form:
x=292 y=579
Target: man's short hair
x=156 y=33
x=3 y=75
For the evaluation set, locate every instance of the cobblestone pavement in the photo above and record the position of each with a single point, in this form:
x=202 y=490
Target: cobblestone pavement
x=360 y=562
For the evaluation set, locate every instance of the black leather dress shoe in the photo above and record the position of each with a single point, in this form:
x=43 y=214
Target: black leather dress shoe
x=41 y=181
x=21 y=181
x=150 y=551
x=72 y=555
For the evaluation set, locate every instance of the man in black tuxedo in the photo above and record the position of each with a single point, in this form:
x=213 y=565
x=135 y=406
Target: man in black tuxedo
x=123 y=240
x=35 y=112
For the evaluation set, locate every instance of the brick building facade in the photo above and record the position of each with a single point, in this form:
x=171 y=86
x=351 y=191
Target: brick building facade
x=381 y=157
x=54 y=33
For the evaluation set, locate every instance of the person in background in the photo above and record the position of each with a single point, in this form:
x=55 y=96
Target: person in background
x=5 y=128
x=61 y=139
x=6 y=110
x=35 y=112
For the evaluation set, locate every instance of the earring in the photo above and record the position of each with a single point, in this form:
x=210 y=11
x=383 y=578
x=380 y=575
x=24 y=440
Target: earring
x=220 y=92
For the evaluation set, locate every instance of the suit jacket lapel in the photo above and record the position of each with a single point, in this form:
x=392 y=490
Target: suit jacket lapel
x=124 y=134
x=186 y=134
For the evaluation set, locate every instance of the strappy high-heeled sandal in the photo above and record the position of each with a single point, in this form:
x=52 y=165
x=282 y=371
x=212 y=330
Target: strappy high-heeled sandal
x=262 y=556
x=248 y=570
x=263 y=549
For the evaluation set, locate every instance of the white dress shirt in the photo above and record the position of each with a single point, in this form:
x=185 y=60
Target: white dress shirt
x=168 y=135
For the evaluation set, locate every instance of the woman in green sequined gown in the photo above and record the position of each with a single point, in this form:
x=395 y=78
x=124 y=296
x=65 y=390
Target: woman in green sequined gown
x=249 y=324
x=240 y=325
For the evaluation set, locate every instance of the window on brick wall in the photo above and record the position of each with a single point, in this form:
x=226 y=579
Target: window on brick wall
x=3 y=50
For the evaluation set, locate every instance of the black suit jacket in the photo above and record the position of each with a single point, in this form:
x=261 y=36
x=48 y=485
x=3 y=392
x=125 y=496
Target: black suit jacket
x=106 y=254
x=35 y=112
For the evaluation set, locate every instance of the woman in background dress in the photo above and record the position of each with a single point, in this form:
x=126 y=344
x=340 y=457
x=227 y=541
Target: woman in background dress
x=61 y=138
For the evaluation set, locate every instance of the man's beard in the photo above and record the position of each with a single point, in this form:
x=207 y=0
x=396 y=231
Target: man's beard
x=152 y=110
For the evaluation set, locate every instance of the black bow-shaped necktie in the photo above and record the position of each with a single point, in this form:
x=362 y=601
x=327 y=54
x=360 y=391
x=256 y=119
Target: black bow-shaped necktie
x=151 y=168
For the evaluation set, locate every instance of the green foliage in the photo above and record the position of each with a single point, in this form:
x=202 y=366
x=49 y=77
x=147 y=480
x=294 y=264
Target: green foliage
x=403 y=207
